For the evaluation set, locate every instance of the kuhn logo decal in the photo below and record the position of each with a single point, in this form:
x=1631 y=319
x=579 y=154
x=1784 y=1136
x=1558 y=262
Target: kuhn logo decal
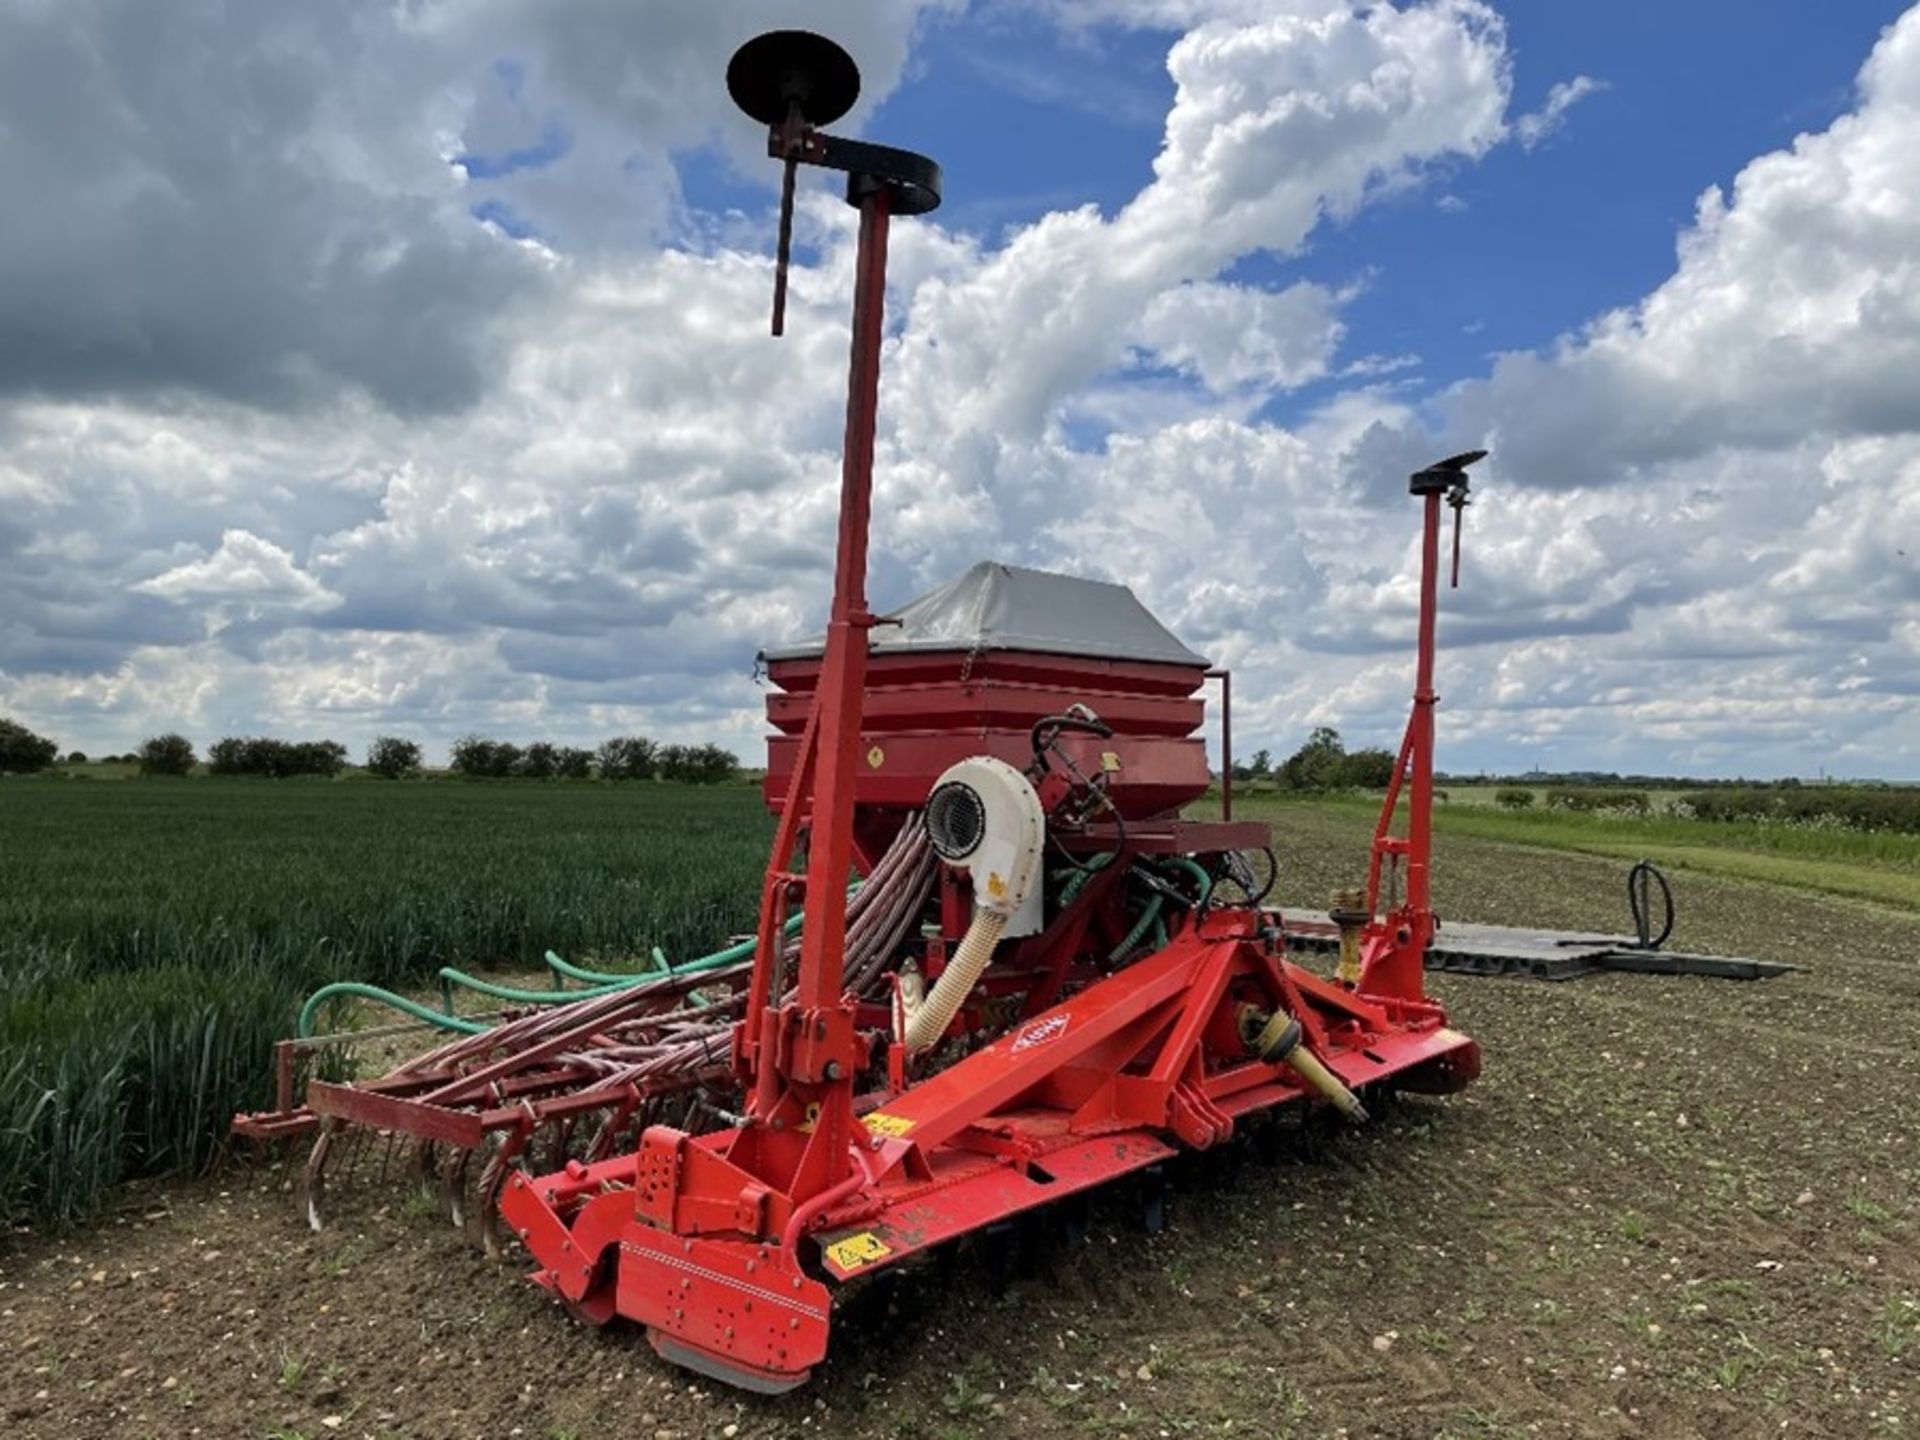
x=1041 y=1031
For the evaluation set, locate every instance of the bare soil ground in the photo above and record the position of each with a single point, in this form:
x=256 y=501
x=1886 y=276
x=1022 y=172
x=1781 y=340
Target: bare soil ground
x=1669 y=1208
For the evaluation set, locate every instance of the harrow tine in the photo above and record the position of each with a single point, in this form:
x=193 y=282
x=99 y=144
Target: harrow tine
x=493 y=1179
x=1075 y=1221
x=614 y=1122
x=355 y=1142
x=453 y=1185
x=506 y=1150
x=1153 y=1199
x=1001 y=1244
x=1316 y=1135
x=1266 y=1138
x=313 y=1178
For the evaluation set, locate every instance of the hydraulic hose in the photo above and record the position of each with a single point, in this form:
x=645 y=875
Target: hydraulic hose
x=563 y=970
x=1640 y=882
x=1077 y=881
x=603 y=984
x=929 y=1021
x=1193 y=869
x=1149 y=917
x=304 y=1028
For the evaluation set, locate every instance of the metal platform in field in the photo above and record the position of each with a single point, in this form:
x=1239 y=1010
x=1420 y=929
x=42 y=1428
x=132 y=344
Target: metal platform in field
x=1540 y=954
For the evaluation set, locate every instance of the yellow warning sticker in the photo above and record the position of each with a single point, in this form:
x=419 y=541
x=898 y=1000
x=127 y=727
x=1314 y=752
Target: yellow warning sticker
x=876 y=757
x=857 y=1250
x=1109 y=760
x=881 y=1123
x=805 y=1127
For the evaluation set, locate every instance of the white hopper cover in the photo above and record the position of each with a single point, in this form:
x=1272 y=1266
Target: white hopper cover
x=1005 y=607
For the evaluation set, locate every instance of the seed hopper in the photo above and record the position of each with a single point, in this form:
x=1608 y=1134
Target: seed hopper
x=1043 y=980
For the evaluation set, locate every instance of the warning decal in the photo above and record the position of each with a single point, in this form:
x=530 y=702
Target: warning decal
x=857 y=1250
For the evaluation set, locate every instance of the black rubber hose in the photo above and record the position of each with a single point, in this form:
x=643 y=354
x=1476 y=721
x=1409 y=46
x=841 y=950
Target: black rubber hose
x=1640 y=882
x=1048 y=727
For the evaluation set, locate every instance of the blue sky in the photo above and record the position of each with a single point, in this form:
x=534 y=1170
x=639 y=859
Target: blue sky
x=466 y=419
x=1027 y=119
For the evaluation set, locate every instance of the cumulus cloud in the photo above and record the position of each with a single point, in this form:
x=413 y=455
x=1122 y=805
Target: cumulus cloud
x=349 y=458
x=258 y=200
x=247 y=574
x=1532 y=128
x=1277 y=123
x=1234 y=337
x=239 y=200
x=1794 y=309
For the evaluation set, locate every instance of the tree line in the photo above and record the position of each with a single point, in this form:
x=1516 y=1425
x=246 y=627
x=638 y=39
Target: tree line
x=625 y=757
x=1323 y=763
x=392 y=757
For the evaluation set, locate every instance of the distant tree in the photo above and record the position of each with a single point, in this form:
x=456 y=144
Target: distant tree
x=1513 y=797
x=475 y=757
x=314 y=757
x=1316 y=765
x=1370 y=769
x=392 y=758
x=167 y=754
x=273 y=759
x=541 y=762
x=77 y=757
x=697 y=764
x=229 y=756
x=471 y=756
x=1261 y=766
x=21 y=751
x=628 y=757
x=573 y=763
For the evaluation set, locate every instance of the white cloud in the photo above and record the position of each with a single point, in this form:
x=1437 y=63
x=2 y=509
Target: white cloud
x=1234 y=337
x=1532 y=128
x=1688 y=551
x=248 y=574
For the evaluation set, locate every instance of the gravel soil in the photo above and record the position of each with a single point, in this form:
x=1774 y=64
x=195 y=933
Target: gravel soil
x=1670 y=1207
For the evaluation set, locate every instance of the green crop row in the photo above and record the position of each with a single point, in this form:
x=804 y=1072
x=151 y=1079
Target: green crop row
x=155 y=938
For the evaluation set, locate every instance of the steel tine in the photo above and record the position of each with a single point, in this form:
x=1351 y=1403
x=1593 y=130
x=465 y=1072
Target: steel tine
x=313 y=1178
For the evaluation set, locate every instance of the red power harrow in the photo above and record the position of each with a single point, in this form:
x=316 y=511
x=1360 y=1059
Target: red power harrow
x=1040 y=1039
x=1049 y=979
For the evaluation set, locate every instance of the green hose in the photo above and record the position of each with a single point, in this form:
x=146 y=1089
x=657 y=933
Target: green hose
x=599 y=984
x=1193 y=868
x=450 y=977
x=1149 y=915
x=304 y=1029
x=1077 y=881
x=1151 y=919
x=563 y=972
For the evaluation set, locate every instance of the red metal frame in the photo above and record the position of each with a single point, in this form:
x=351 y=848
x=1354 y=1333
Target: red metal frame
x=722 y=1244
x=1394 y=946
x=1225 y=677
x=1393 y=950
x=798 y=1059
